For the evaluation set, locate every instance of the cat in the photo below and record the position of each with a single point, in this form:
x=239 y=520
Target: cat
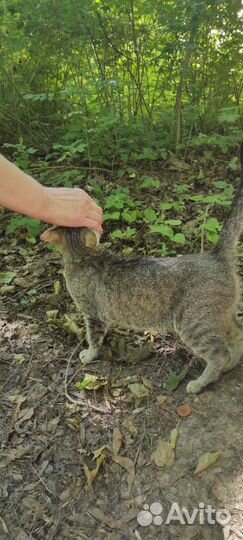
x=195 y=296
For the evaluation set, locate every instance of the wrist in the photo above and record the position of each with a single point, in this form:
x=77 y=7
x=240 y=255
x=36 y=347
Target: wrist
x=48 y=206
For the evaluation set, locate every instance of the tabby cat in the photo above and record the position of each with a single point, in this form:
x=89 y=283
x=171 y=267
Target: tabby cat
x=195 y=296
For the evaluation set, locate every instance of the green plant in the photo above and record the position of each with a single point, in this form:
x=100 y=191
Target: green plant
x=33 y=226
x=21 y=154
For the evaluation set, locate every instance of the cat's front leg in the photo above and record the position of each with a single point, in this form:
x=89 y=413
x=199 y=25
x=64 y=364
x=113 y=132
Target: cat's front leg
x=95 y=333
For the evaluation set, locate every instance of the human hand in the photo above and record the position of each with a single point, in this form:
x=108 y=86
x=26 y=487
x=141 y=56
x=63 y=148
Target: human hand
x=72 y=207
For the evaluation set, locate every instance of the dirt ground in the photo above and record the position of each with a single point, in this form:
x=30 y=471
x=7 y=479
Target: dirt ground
x=76 y=464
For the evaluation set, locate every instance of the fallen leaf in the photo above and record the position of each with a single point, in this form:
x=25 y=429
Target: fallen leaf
x=184 y=410
x=7 y=289
x=19 y=358
x=7 y=277
x=138 y=390
x=51 y=315
x=108 y=520
x=91 y=382
x=126 y=463
x=173 y=437
x=161 y=400
x=70 y=325
x=164 y=454
x=174 y=379
x=91 y=474
x=97 y=453
x=98 y=514
x=207 y=460
x=73 y=423
x=117 y=441
x=25 y=414
x=15 y=453
x=147 y=383
x=129 y=425
x=17 y=398
x=57 y=287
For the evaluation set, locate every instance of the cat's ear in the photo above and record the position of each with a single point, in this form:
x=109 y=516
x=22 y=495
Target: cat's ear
x=92 y=238
x=54 y=235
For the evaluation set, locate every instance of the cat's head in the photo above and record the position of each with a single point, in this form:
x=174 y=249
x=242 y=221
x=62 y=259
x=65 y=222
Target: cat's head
x=72 y=239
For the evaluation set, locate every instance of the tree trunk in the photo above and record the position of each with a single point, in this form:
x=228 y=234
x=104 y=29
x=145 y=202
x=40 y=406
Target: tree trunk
x=195 y=23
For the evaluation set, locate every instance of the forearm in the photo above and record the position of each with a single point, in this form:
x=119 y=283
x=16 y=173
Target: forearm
x=66 y=207
x=21 y=193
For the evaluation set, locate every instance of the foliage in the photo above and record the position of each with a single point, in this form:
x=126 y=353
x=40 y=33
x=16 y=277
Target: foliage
x=33 y=226
x=98 y=81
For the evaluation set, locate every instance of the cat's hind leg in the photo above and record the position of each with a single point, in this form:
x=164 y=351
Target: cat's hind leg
x=212 y=347
x=95 y=333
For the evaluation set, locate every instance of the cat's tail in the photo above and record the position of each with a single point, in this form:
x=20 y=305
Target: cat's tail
x=233 y=226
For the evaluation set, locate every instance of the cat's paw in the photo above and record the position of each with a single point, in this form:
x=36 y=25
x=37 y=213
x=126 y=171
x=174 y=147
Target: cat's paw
x=194 y=387
x=87 y=356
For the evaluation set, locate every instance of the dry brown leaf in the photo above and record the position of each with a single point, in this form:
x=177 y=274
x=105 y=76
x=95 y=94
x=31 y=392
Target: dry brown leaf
x=73 y=423
x=161 y=400
x=17 y=398
x=19 y=358
x=164 y=453
x=117 y=441
x=147 y=383
x=98 y=514
x=184 y=410
x=97 y=453
x=138 y=390
x=51 y=315
x=126 y=463
x=129 y=425
x=15 y=453
x=207 y=460
x=91 y=474
x=26 y=414
x=173 y=437
x=114 y=523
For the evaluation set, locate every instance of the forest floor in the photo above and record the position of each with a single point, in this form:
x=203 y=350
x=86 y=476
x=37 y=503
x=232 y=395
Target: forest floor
x=79 y=463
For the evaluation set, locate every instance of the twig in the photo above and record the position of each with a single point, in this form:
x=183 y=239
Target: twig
x=43 y=482
x=75 y=401
x=63 y=167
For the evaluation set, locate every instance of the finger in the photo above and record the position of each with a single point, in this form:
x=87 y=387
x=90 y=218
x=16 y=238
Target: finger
x=95 y=207
x=94 y=215
x=92 y=224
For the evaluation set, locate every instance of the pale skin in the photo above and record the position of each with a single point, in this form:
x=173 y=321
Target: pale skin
x=67 y=207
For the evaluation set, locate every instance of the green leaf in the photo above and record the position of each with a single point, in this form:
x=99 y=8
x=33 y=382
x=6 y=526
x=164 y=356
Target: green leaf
x=212 y=225
x=179 y=238
x=173 y=222
x=174 y=379
x=7 y=277
x=220 y=184
x=149 y=183
x=131 y=216
x=33 y=226
x=83 y=384
x=166 y=205
x=162 y=229
x=111 y=216
x=212 y=237
x=150 y=214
